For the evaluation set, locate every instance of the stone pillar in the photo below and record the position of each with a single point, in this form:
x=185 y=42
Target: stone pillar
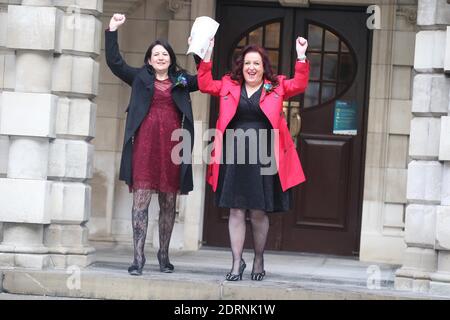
x=49 y=119
x=75 y=81
x=27 y=117
x=7 y=62
x=382 y=235
x=426 y=234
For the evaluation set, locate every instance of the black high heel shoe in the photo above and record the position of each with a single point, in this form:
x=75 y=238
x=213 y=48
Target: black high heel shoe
x=235 y=277
x=258 y=276
x=164 y=267
x=135 y=269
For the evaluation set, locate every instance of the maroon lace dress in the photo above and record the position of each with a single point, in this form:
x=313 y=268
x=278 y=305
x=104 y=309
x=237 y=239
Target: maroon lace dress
x=152 y=166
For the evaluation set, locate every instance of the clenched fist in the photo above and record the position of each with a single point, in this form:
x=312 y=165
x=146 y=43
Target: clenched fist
x=116 y=21
x=301 y=44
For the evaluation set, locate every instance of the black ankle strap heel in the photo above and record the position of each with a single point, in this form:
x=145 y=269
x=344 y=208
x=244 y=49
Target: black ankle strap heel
x=164 y=266
x=258 y=276
x=135 y=269
x=235 y=277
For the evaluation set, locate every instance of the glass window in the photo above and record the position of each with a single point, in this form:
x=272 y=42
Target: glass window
x=243 y=42
x=331 y=42
x=256 y=37
x=315 y=37
x=312 y=94
x=272 y=36
x=328 y=92
x=330 y=65
x=274 y=58
x=315 y=61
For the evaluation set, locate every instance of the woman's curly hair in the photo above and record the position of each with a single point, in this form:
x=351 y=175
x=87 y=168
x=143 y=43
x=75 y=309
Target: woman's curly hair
x=238 y=64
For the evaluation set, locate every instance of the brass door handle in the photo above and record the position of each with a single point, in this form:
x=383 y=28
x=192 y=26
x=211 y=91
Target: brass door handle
x=295 y=125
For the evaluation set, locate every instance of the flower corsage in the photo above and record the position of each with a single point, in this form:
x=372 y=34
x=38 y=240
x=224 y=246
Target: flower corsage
x=268 y=87
x=181 y=81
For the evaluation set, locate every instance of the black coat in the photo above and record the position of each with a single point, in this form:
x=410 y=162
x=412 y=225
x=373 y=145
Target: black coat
x=142 y=82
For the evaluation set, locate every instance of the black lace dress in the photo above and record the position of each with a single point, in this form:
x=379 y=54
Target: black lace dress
x=241 y=182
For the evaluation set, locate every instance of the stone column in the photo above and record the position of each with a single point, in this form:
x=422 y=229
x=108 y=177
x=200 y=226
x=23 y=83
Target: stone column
x=425 y=231
x=27 y=117
x=49 y=119
x=440 y=280
x=75 y=81
x=7 y=66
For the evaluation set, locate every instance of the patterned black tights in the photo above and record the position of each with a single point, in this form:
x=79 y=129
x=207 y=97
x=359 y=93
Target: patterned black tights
x=139 y=219
x=141 y=202
x=166 y=222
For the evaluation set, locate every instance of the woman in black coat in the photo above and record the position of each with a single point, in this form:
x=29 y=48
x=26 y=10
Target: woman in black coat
x=159 y=104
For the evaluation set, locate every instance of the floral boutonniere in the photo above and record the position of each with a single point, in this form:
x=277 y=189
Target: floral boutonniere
x=181 y=81
x=268 y=87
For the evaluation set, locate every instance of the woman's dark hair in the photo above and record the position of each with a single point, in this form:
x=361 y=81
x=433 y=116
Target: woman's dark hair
x=236 y=72
x=174 y=67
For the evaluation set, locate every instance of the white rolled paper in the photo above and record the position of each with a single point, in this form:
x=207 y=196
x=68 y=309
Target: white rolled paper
x=203 y=30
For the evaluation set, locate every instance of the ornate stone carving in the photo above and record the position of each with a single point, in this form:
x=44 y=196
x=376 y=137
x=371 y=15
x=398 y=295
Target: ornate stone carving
x=410 y=13
x=177 y=5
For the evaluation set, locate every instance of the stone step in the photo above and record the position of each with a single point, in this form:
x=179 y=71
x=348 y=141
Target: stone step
x=199 y=275
x=99 y=283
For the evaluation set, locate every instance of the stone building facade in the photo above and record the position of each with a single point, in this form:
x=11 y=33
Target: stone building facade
x=62 y=121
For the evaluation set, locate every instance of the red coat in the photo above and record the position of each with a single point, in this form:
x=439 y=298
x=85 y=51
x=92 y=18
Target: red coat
x=288 y=163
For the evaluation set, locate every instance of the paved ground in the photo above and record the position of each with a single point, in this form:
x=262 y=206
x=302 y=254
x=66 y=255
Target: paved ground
x=199 y=275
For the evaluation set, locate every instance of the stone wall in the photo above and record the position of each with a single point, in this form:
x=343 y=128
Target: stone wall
x=388 y=134
x=47 y=119
x=426 y=264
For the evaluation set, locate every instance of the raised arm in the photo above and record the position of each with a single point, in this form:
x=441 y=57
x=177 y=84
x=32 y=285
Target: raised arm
x=299 y=82
x=192 y=80
x=206 y=83
x=114 y=59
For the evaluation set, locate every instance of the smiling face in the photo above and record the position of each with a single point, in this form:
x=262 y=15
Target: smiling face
x=159 y=59
x=253 y=68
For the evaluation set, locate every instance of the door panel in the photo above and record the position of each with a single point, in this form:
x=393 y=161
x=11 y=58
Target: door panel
x=321 y=202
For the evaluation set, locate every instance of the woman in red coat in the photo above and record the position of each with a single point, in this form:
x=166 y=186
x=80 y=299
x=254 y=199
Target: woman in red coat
x=251 y=106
